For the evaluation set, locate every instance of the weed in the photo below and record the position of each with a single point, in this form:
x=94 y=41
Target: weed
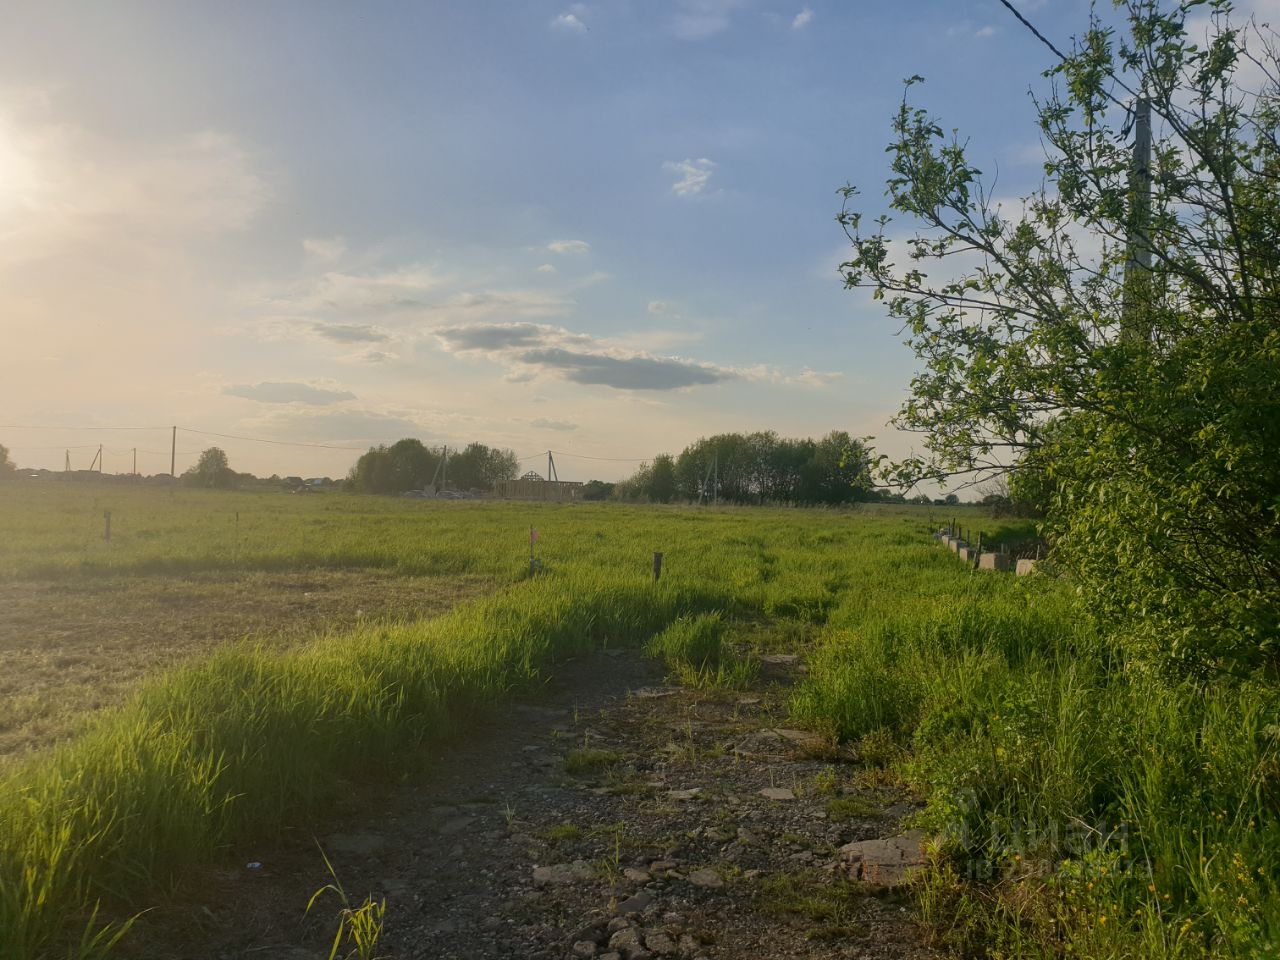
x=562 y=833
x=829 y=906
x=826 y=782
x=852 y=807
x=588 y=760
x=509 y=814
x=360 y=927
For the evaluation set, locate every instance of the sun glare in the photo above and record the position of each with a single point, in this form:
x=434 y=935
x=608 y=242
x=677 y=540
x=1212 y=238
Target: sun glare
x=19 y=177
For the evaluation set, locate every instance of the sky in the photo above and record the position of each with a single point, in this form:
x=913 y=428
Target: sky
x=603 y=228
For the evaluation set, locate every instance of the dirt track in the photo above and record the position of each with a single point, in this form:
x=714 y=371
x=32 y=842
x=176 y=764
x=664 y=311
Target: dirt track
x=610 y=815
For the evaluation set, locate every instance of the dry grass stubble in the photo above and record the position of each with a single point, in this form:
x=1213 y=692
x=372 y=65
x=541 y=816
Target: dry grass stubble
x=71 y=646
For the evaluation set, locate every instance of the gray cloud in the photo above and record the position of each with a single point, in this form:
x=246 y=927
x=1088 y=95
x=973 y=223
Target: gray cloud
x=625 y=373
x=543 y=423
x=374 y=356
x=288 y=393
x=532 y=348
x=349 y=332
x=493 y=336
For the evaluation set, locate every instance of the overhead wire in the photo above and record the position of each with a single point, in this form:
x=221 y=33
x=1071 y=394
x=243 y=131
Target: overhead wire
x=266 y=440
x=1008 y=5
x=20 y=426
x=583 y=456
x=281 y=443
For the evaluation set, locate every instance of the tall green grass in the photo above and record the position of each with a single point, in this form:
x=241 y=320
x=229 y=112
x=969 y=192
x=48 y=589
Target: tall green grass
x=1081 y=808
x=695 y=650
x=252 y=738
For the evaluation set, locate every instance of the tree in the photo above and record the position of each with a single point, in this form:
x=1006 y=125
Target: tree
x=211 y=470
x=7 y=466
x=662 y=479
x=405 y=465
x=478 y=467
x=597 y=490
x=1144 y=397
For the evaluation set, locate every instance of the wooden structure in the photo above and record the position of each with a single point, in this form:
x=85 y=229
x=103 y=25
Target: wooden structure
x=533 y=487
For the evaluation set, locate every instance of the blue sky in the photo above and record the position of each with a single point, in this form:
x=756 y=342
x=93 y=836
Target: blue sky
x=604 y=228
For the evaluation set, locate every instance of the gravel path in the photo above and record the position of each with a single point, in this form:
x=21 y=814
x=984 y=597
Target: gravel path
x=611 y=816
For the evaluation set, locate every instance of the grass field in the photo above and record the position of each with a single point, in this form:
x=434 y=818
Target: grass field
x=1079 y=808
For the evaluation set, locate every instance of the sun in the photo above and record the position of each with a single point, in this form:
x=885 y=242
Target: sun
x=19 y=175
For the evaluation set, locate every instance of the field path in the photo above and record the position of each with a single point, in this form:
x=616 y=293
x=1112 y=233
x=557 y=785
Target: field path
x=610 y=816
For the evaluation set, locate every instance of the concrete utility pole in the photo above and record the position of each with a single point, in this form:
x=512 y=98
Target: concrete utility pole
x=173 y=455
x=1137 y=267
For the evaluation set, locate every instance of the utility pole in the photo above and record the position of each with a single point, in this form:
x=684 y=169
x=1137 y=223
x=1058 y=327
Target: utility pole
x=551 y=468
x=101 y=463
x=173 y=455
x=1137 y=268
x=713 y=470
x=66 y=468
x=135 y=461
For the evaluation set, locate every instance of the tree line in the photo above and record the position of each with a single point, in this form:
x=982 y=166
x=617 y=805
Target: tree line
x=756 y=468
x=410 y=465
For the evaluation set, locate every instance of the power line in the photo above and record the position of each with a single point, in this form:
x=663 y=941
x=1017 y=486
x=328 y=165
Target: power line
x=1030 y=26
x=64 y=446
x=1063 y=57
x=19 y=426
x=583 y=456
x=280 y=443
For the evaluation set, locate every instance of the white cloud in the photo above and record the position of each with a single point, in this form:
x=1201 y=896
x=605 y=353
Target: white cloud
x=569 y=22
x=345 y=293
x=547 y=268
x=699 y=19
x=814 y=378
x=692 y=175
x=985 y=31
x=660 y=307
x=569 y=246
x=802 y=19
x=326 y=249
x=470 y=306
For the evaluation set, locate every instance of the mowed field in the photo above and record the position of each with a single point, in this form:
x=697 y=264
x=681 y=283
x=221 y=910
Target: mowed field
x=256 y=650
